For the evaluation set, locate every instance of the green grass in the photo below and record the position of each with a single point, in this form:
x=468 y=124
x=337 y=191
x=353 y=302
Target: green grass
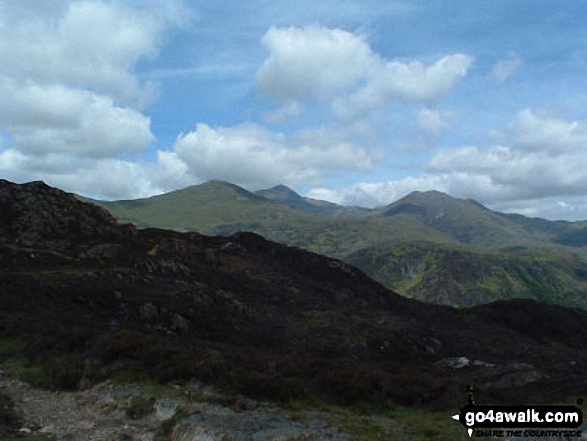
x=364 y=422
x=375 y=241
x=11 y=345
x=429 y=425
x=35 y=375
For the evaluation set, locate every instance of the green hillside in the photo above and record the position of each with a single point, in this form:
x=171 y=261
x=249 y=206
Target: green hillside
x=427 y=245
x=466 y=221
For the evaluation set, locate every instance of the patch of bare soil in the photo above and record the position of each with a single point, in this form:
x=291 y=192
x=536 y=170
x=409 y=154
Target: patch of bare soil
x=94 y=414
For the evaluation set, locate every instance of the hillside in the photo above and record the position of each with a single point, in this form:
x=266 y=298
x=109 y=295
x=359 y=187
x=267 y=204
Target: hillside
x=427 y=245
x=93 y=299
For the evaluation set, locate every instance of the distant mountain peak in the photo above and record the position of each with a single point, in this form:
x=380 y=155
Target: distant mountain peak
x=217 y=183
x=279 y=192
x=434 y=196
x=426 y=195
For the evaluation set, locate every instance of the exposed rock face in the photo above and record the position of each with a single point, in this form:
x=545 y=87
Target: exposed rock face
x=35 y=214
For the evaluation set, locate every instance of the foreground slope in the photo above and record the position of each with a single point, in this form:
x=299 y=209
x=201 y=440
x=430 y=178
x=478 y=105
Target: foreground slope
x=427 y=246
x=94 y=298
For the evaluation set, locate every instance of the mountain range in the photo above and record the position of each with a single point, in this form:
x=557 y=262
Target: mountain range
x=427 y=245
x=92 y=299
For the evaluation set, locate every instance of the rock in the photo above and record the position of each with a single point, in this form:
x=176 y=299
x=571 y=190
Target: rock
x=47 y=429
x=513 y=375
x=179 y=323
x=216 y=422
x=454 y=362
x=149 y=311
x=37 y=215
x=166 y=408
x=102 y=251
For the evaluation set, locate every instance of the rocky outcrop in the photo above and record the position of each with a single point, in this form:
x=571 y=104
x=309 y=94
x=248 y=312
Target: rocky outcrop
x=36 y=215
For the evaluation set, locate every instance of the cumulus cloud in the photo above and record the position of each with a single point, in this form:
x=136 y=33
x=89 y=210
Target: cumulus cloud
x=543 y=173
x=375 y=194
x=70 y=96
x=413 y=81
x=82 y=44
x=54 y=118
x=506 y=68
x=547 y=160
x=312 y=62
x=433 y=121
x=548 y=134
x=339 y=67
x=255 y=157
x=515 y=175
x=287 y=112
x=103 y=178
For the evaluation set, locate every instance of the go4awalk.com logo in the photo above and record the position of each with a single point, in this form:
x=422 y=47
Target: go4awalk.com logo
x=529 y=421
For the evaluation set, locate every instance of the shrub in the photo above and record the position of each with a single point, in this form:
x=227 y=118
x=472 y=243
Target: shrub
x=140 y=407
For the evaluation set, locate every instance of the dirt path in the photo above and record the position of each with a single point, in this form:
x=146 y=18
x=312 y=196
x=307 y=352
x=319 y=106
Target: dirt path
x=99 y=414
x=95 y=414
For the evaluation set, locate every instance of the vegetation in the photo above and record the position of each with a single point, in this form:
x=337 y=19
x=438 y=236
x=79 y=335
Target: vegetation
x=426 y=246
x=84 y=300
x=140 y=407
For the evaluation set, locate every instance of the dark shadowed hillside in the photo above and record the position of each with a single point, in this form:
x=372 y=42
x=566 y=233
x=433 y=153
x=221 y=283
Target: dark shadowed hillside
x=94 y=299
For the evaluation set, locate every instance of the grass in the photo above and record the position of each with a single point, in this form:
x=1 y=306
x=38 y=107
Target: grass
x=9 y=346
x=448 y=225
x=365 y=422
x=35 y=375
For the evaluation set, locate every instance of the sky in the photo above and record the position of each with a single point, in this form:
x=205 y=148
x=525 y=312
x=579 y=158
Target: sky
x=354 y=102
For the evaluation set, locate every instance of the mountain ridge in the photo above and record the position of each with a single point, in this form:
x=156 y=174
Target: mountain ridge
x=426 y=245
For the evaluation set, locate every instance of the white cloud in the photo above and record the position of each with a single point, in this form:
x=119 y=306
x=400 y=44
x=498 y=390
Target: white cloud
x=506 y=68
x=547 y=160
x=287 y=112
x=67 y=80
x=255 y=157
x=248 y=155
x=53 y=119
x=339 y=67
x=374 y=194
x=550 y=135
x=413 y=81
x=312 y=62
x=545 y=167
x=104 y=178
x=71 y=97
x=82 y=44
x=433 y=121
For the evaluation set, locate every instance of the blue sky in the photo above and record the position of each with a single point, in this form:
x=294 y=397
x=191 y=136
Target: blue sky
x=353 y=102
